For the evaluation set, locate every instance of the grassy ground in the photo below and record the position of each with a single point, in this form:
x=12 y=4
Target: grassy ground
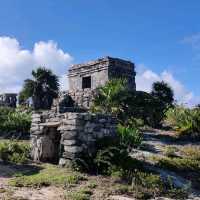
x=31 y=179
x=47 y=181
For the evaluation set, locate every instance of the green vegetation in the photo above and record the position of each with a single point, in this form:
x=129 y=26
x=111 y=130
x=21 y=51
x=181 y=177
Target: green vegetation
x=43 y=88
x=110 y=156
x=191 y=152
x=82 y=194
x=148 y=185
x=170 y=151
x=184 y=120
x=145 y=185
x=49 y=175
x=14 y=152
x=179 y=164
x=14 y=120
x=116 y=99
x=130 y=136
x=163 y=92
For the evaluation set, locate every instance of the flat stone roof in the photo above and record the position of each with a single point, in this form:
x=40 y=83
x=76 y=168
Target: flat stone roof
x=98 y=61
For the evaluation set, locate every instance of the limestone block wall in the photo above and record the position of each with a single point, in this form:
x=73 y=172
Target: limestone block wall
x=64 y=137
x=99 y=72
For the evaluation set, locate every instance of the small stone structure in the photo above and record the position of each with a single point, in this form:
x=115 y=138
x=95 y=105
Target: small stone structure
x=64 y=137
x=8 y=100
x=67 y=131
x=85 y=78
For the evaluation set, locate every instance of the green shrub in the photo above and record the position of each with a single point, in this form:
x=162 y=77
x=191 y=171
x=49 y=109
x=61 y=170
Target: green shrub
x=116 y=99
x=184 y=120
x=82 y=194
x=110 y=157
x=14 y=152
x=16 y=121
x=130 y=136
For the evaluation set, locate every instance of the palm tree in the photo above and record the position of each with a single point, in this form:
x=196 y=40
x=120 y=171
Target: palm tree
x=109 y=99
x=43 y=88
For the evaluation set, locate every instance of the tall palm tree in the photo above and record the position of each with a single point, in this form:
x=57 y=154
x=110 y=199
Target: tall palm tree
x=43 y=88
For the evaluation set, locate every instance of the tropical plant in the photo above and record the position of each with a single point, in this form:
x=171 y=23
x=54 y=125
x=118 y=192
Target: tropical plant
x=14 y=152
x=109 y=98
x=116 y=99
x=130 y=136
x=14 y=120
x=184 y=120
x=43 y=88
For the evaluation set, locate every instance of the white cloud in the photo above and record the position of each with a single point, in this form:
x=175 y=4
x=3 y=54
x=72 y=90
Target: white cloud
x=17 y=63
x=64 y=83
x=146 y=77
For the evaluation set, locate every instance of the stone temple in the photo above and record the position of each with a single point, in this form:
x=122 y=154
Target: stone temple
x=85 y=78
x=8 y=100
x=63 y=135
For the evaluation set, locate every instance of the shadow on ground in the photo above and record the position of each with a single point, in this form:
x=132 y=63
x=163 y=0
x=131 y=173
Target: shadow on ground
x=8 y=170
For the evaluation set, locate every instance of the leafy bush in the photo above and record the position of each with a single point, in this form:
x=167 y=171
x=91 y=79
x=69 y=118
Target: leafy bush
x=130 y=136
x=82 y=194
x=12 y=120
x=184 y=120
x=109 y=98
x=110 y=156
x=116 y=99
x=14 y=152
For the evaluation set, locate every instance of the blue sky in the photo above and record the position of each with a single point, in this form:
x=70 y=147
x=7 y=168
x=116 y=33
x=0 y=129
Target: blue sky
x=162 y=37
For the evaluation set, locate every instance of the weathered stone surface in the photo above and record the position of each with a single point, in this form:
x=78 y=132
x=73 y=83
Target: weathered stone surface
x=70 y=127
x=70 y=142
x=71 y=138
x=97 y=73
x=70 y=155
x=69 y=135
x=8 y=100
x=73 y=149
x=71 y=131
x=65 y=162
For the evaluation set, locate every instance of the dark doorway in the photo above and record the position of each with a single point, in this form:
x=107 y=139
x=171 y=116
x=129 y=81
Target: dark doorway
x=52 y=147
x=86 y=82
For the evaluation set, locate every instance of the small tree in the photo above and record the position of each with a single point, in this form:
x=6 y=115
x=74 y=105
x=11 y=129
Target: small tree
x=164 y=96
x=163 y=92
x=43 y=88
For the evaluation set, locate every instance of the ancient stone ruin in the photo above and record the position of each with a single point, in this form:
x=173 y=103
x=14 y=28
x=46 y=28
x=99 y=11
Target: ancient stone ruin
x=8 y=100
x=68 y=130
x=85 y=78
